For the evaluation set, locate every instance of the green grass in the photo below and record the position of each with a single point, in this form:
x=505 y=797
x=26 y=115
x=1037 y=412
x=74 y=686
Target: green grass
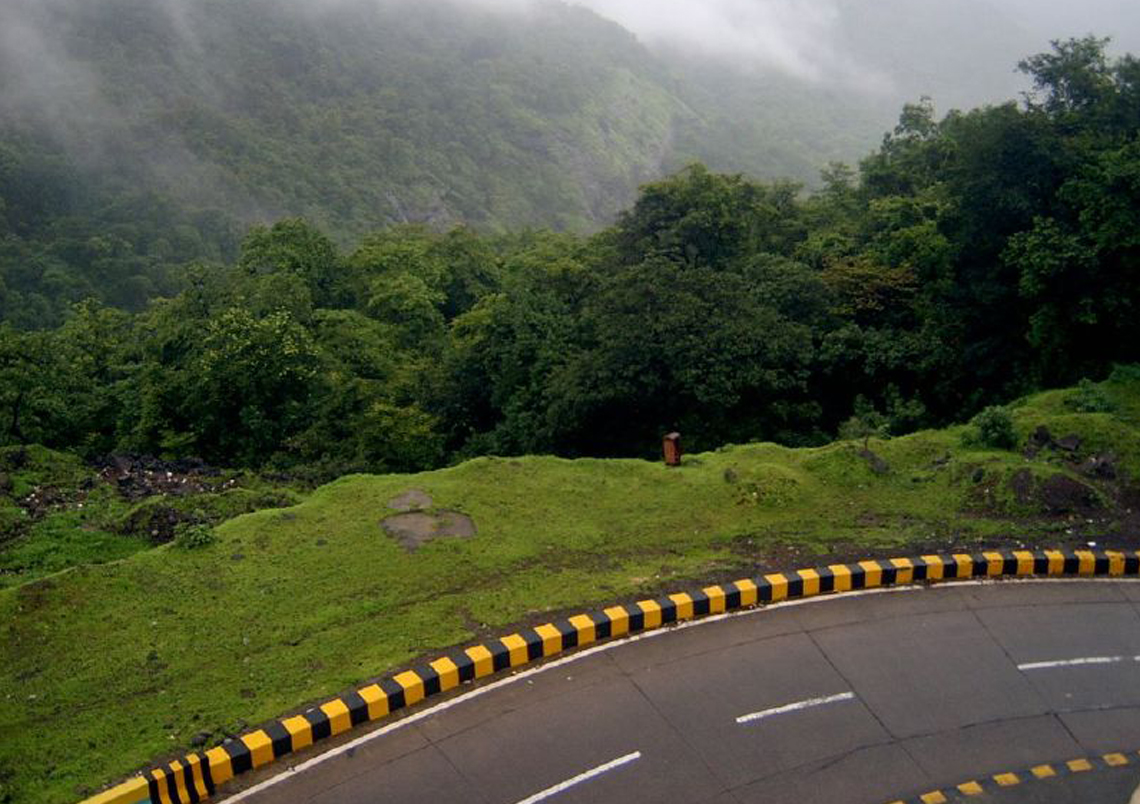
x=108 y=666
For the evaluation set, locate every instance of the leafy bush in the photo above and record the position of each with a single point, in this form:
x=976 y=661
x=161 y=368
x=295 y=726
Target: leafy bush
x=193 y=535
x=993 y=427
x=1090 y=398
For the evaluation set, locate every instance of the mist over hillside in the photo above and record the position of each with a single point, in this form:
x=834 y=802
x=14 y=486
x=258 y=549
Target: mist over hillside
x=139 y=135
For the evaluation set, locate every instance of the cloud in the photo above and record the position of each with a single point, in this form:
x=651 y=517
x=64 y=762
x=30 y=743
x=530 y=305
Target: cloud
x=787 y=34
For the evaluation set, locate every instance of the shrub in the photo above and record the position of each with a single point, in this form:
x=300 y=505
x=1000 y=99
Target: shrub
x=1090 y=398
x=193 y=535
x=993 y=427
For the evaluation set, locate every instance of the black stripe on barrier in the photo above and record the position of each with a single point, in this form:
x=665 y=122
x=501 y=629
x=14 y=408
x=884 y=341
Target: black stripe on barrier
x=1132 y=565
x=188 y=782
x=668 y=610
x=826 y=579
x=152 y=778
x=534 y=644
x=280 y=737
x=171 y=784
x=464 y=664
x=795 y=585
x=500 y=655
x=858 y=576
x=318 y=724
x=701 y=604
x=207 y=777
x=395 y=693
x=568 y=633
x=732 y=598
x=603 y=627
x=919 y=569
x=981 y=566
x=636 y=618
x=888 y=573
x=357 y=707
x=241 y=759
x=1072 y=563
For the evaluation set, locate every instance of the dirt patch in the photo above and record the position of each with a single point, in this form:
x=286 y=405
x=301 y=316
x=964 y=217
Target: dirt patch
x=417 y=528
x=411 y=500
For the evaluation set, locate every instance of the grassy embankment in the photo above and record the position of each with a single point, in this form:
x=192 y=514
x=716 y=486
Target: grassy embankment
x=105 y=667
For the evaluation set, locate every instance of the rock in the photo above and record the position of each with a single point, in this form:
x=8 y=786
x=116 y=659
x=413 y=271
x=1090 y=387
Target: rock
x=730 y=476
x=1022 y=486
x=200 y=739
x=979 y=475
x=1060 y=494
x=1041 y=437
x=1101 y=467
x=1070 y=443
x=876 y=463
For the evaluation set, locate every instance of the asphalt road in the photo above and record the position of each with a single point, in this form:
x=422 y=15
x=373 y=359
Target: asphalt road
x=861 y=700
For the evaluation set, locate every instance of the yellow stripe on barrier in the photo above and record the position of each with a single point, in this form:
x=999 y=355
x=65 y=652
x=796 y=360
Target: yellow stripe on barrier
x=179 y=782
x=965 y=565
x=413 y=687
x=447 y=671
x=1056 y=562
x=484 y=662
x=261 y=746
x=872 y=574
x=1025 y=562
x=129 y=792
x=684 y=605
x=718 y=599
x=551 y=639
x=779 y=585
x=904 y=570
x=652 y=611
x=195 y=763
x=619 y=620
x=935 y=568
x=811 y=581
x=842 y=575
x=995 y=563
x=221 y=769
x=587 y=631
x=748 y=593
x=301 y=732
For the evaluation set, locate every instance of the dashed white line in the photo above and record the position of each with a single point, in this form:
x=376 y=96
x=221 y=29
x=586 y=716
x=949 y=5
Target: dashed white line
x=582 y=777
x=794 y=707
x=1077 y=662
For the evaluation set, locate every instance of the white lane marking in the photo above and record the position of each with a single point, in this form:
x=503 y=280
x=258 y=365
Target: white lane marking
x=582 y=777
x=795 y=707
x=352 y=745
x=1077 y=662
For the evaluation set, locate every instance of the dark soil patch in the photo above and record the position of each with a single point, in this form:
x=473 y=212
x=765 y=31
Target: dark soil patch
x=417 y=528
x=411 y=500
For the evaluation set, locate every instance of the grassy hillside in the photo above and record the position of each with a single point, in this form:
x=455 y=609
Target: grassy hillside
x=107 y=666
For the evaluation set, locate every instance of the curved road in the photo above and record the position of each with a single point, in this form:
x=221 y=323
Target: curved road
x=856 y=699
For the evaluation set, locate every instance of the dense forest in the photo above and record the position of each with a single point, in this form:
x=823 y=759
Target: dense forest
x=967 y=260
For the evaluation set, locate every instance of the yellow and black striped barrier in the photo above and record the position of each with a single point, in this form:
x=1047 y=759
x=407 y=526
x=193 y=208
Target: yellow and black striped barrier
x=969 y=790
x=197 y=776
